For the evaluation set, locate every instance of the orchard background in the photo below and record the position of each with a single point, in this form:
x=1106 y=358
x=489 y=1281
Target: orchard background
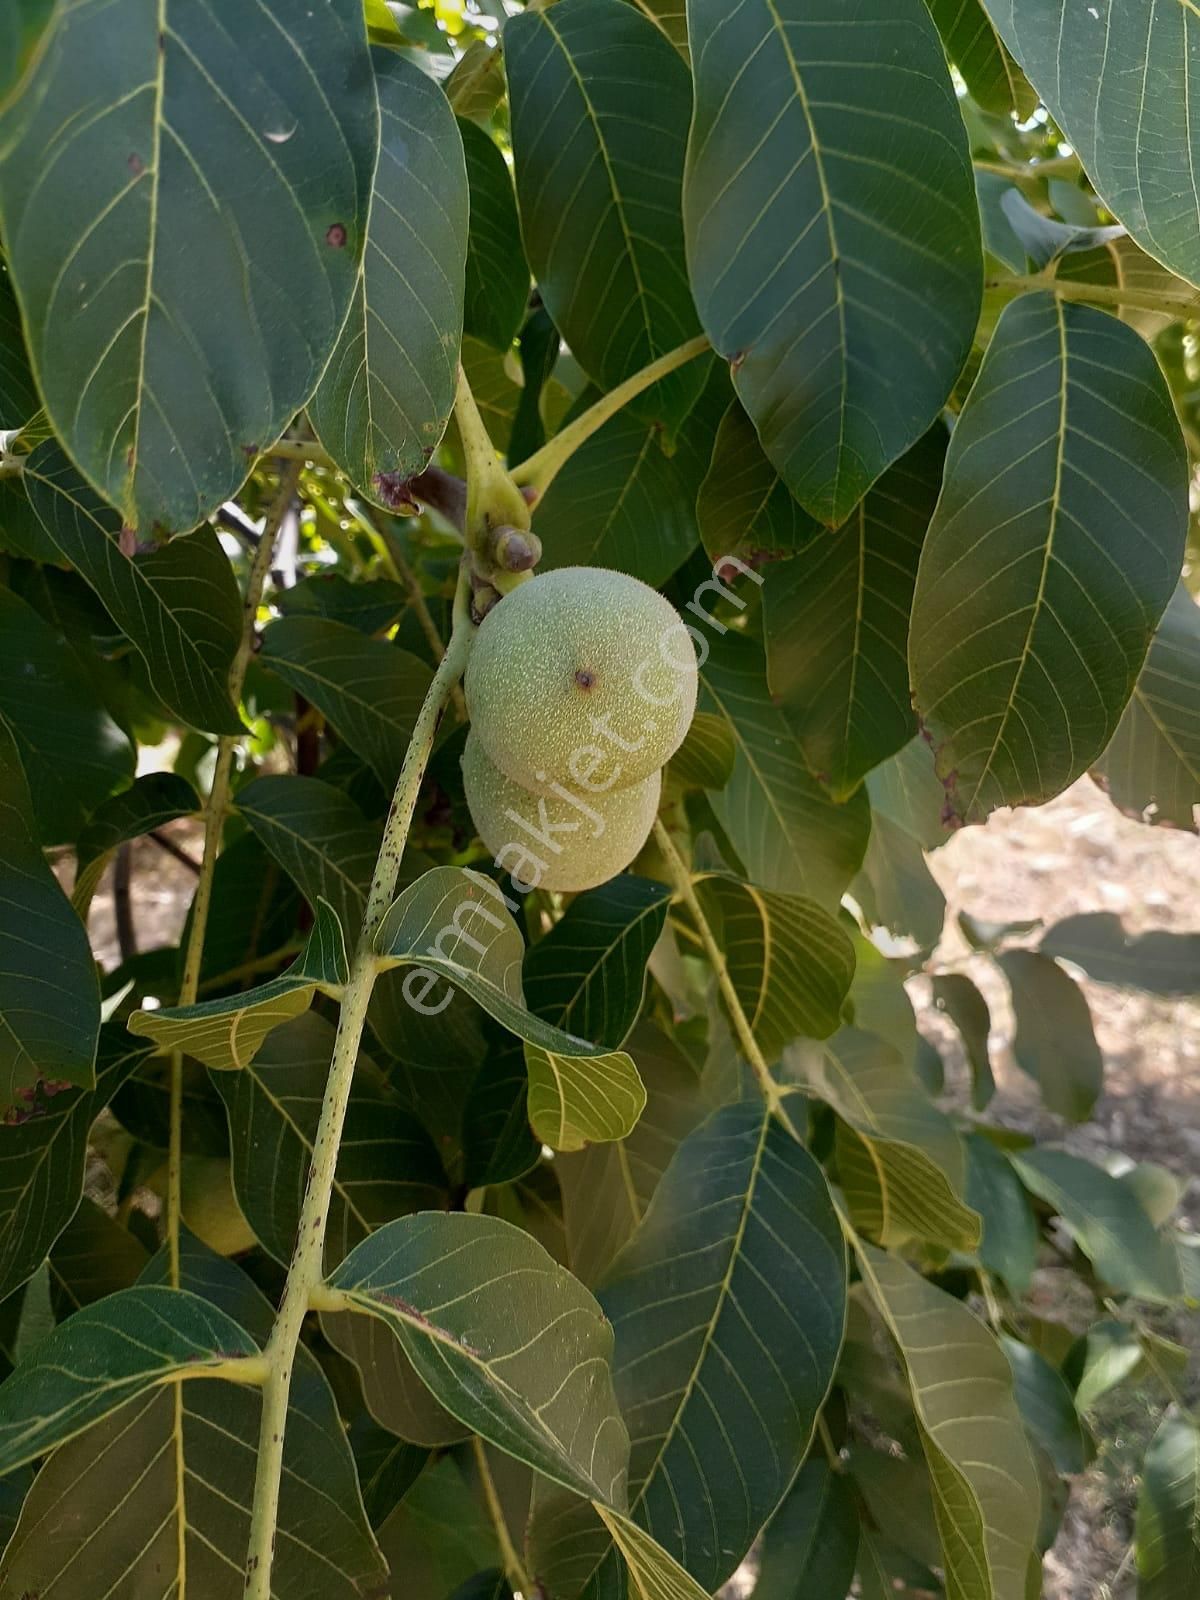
x=811 y=1204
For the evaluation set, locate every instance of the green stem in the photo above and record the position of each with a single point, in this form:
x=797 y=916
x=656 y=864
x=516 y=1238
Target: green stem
x=1054 y=167
x=400 y=571
x=493 y=498
x=514 y=1567
x=307 y=1265
x=538 y=470
x=1104 y=294
x=681 y=880
x=214 y=822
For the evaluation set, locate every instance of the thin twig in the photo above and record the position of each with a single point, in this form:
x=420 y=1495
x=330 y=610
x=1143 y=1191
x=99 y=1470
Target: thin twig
x=165 y=842
x=514 y=1567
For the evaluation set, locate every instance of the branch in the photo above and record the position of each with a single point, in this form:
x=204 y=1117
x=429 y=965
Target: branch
x=1104 y=294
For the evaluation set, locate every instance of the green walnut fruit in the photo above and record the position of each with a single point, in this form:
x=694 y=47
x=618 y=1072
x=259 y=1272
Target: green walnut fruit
x=570 y=841
x=584 y=678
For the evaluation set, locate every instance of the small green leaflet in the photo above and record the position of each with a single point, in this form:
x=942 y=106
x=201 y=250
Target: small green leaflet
x=1047 y=1405
x=106 y=1354
x=318 y=836
x=1055 y=1042
x=653 y=1573
x=49 y=993
x=148 y=803
x=227 y=1033
x=995 y=81
x=1158 y=961
x=185 y=262
x=986 y=1495
x=505 y=1339
x=368 y=689
x=1025 y=645
x=497 y=282
x=1168 y=1513
x=832 y=230
x=810 y=1544
x=382 y=405
x=579 y=1092
x=43 y=1149
x=1009 y=1245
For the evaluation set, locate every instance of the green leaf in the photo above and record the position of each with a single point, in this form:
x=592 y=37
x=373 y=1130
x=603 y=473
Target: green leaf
x=387 y=1164
x=1126 y=92
x=607 y=1188
x=1152 y=763
x=653 y=1573
x=73 y=754
x=705 y=758
x=371 y=606
x=226 y=1034
x=906 y=791
x=1010 y=1237
x=385 y=397
x=370 y=690
x=832 y=231
x=593 y=86
x=810 y=1544
x=895 y=888
x=1157 y=961
x=19 y=399
x=740 y=1253
x=790 y=961
x=1045 y=239
x=791 y=836
x=995 y=81
x=744 y=507
x=43 y=1151
x=902 y=1167
x=1055 y=1042
x=578 y=1091
x=836 y=624
x=476 y=82
x=23 y=34
x=178 y=604
x=148 y=803
x=387 y=1467
x=107 y=1354
x=318 y=836
x=439 y=1534
x=508 y=1342
x=186 y=260
x=588 y=974
x=89 y=1526
x=94 y=1256
x=1048 y=1407
x=1168 y=1513
x=1025 y=645
x=499 y=1146
x=1106 y=1220
x=956 y=996
x=497 y=273
x=49 y=996
x=985 y=1490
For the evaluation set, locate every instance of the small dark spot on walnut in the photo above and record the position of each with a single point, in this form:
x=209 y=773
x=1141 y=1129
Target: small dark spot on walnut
x=585 y=678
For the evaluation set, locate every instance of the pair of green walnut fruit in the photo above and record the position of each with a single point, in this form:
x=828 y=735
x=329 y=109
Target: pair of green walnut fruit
x=580 y=687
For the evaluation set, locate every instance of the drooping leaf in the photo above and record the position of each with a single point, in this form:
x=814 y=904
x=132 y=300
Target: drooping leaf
x=43 y=1149
x=578 y=1091
x=1026 y=641
x=73 y=754
x=476 y=82
x=178 y=605
x=1168 y=1513
x=1152 y=763
x=957 y=997
x=382 y=405
x=318 y=836
x=104 y=1355
x=506 y=1340
x=387 y=1164
x=898 y=1496
x=593 y=86
x=836 y=624
x=226 y=1034
x=832 y=231
x=368 y=689
x=150 y=801
x=1055 y=1042
x=810 y=1544
x=1158 y=961
x=497 y=283
x=207 y=200
x=739 y=1254
x=1047 y=1406
x=607 y=1188
x=790 y=834
x=989 y=72
x=900 y=1160
x=1010 y=1237
x=49 y=996
x=895 y=887
x=97 y=1517
x=791 y=963
x=653 y=1572
x=588 y=974
x=1126 y=91
x=985 y=1490
x=1106 y=1220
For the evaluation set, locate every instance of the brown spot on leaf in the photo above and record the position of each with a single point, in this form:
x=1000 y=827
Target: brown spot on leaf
x=135 y=163
x=395 y=490
x=336 y=235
